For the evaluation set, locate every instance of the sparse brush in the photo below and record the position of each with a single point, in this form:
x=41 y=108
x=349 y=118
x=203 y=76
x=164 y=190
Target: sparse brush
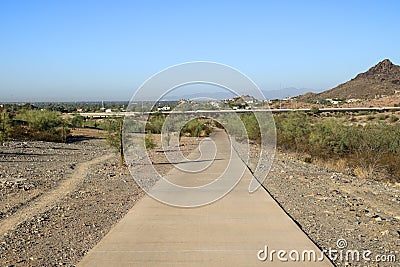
x=353 y=119
x=382 y=117
x=370 y=117
x=393 y=119
x=366 y=149
x=362 y=172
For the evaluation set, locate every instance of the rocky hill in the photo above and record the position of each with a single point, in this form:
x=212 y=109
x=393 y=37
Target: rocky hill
x=382 y=79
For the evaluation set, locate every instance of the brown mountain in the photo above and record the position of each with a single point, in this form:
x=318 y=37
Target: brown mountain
x=381 y=79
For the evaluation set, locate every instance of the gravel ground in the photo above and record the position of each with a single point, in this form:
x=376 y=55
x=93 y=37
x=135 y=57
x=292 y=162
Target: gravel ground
x=327 y=205
x=67 y=229
x=330 y=206
x=28 y=170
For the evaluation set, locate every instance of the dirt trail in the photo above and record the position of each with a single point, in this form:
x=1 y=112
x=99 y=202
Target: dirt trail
x=49 y=199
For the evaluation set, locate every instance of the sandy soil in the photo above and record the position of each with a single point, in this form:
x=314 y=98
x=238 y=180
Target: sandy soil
x=58 y=200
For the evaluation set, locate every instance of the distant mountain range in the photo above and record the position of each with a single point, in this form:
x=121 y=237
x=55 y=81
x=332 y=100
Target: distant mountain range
x=269 y=94
x=284 y=92
x=216 y=95
x=383 y=79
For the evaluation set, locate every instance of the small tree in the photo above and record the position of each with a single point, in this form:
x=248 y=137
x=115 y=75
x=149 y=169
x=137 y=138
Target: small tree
x=5 y=126
x=114 y=137
x=149 y=141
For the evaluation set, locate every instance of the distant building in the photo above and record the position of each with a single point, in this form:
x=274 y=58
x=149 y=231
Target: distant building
x=352 y=100
x=164 y=108
x=333 y=102
x=108 y=110
x=289 y=98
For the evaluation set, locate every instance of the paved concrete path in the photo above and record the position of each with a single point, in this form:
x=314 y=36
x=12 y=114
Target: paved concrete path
x=228 y=232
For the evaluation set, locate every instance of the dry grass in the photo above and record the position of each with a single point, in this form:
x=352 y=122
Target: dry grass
x=363 y=173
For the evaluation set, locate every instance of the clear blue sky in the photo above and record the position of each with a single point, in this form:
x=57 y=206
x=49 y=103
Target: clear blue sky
x=94 y=50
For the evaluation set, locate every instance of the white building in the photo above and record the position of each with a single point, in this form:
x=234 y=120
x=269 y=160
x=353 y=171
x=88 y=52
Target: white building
x=164 y=108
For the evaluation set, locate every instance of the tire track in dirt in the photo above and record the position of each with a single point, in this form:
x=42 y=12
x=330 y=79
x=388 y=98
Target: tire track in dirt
x=49 y=199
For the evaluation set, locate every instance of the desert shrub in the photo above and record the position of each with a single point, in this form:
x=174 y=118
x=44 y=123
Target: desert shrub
x=155 y=123
x=324 y=138
x=77 y=121
x=5 y=126
x=393 y=118
x=366 y=149
x=293 y=131
x=195 y=128
x=41 y=120
x=112 y=126
x=364 y=113
x=372 y=148
x=382 y=117
x=353 y=119
x=40 y=125
x=370 y=117
x=314 y=110
x=251 y=125
x=149 y=141
x=93 y=123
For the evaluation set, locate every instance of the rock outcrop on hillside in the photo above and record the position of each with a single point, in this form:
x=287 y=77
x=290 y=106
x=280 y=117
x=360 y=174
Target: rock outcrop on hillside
x=382 y=79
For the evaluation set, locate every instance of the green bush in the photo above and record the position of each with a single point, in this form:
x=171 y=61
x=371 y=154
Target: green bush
x=252 y=127
x=382 y=117
x=370 y=117
x=370 y=148
x=112 y=126
x=155 y=123
x=314 y=110
x=324 y=138
x=195 y=128
x=293 y=131
x=149 y=142
x=77 y=121
x=5 y=126
x=393 y=119
x=364 y=113
x=40 y=125
x=41 y=120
